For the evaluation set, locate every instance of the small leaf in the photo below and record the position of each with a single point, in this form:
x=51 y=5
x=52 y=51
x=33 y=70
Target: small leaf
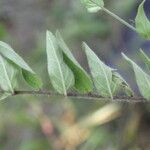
x=102 y=74
x=145 y=59
x=83 y=82
x=60 y=74
x=7 y=75
x=93 y=5
x=8 y=72
x=106 y=80
x=142 y=22
x=13 y=71
x=142 y=78
x=10 y=54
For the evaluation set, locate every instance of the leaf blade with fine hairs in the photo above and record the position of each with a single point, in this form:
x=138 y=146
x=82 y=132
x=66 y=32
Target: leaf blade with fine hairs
x=60 y=74
x=145 y=59
x=93 y=5
x=8 y=74
x=7 y=52
x=107 y=81
x=142 y=78
x=142 y=22
x=83 y=82
x=10 y=54
x=119 y=85
x=102 y=74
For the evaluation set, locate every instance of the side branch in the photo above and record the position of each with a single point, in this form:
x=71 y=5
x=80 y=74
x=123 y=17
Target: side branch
x=89 y=96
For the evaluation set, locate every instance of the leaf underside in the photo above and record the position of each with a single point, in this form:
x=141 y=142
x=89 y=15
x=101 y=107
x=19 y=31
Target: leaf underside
x=60 y=74
x=83 y=82
x=7 y=52
x=142 y=78
x=142 y=22
x=106 y=80
x=8 y=79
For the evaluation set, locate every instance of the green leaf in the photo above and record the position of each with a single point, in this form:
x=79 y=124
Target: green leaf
x=60 y=74
x=119 y=85
x=13 y=71
x=10 y=54
x=142 y=78
x=102 y=74
x=8 y=74
x=93 y=5
x=145 y=59
x=83 y=82
x=106 y=80
x=7 y=52
x=142 y=22
x=32 y=79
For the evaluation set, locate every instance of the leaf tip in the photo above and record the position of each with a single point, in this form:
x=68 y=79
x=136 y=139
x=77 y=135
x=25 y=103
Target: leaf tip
x=123 y=55
x=49 y=34
x=84 y=44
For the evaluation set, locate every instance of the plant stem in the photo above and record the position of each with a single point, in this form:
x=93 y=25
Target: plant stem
x=115 y=16
x=89 y=96
x=119 y=19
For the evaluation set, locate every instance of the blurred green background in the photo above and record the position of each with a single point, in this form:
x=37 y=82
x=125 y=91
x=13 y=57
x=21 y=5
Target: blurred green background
x=55 y=123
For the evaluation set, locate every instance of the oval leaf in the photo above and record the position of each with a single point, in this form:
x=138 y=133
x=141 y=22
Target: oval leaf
x=83 y=82
x=10 y=54
x=106 y=80
x=93 y=5
x=142 y=22
x=102 y=74
x=142 y=78
x=60 y=74
x=7 y=75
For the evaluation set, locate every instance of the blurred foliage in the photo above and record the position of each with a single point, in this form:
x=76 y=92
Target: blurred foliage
x=39 y=122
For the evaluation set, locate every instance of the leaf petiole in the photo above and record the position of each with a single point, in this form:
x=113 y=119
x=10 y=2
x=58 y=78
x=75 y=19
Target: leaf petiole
x=115 y=16
x=119 y=19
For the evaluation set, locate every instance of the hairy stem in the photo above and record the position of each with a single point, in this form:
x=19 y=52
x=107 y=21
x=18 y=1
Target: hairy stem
x=89 y=96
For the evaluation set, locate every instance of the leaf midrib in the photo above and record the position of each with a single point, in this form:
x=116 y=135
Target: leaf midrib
x=107 y=81
x=6 y=75
x=59 y=67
